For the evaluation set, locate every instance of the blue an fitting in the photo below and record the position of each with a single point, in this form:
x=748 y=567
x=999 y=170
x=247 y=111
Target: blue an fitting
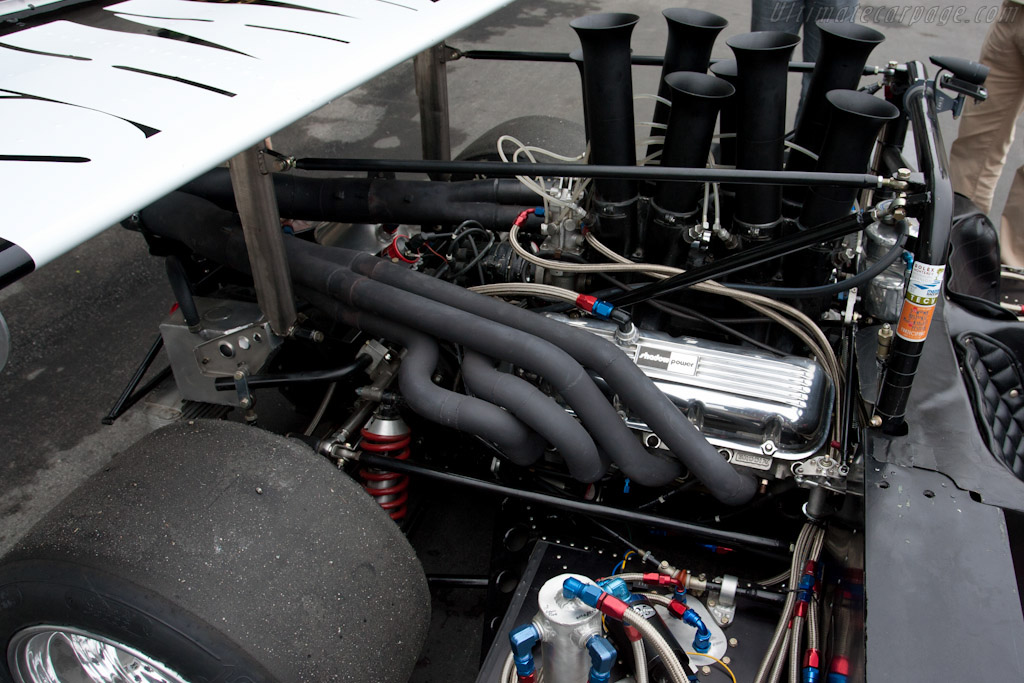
x=602 y=659
x=811 y=674
x=620 y=589
x=702 y=639
x=602 y=309
x=803 y=591
x=616 y=587
x=522 y=639
x=538 y=210
x=908 y=264
x=574 y=588
x=835 y=677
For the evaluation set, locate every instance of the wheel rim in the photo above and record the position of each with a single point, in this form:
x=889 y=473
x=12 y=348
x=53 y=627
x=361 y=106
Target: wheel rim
x=60 y=654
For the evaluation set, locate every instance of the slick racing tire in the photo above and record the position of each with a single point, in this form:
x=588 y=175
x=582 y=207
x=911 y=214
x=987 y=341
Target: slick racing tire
x=210 y=551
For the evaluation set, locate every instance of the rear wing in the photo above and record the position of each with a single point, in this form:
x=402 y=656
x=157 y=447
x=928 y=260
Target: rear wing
x=101 y=118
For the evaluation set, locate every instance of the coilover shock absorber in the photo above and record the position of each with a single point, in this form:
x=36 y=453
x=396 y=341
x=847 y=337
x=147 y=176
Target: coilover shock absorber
x=387 y=435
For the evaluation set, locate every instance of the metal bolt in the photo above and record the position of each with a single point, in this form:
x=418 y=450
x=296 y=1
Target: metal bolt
x=245 y=402
x=711 y=603
x=437 y=378
x=239 y=374
x=706 y=670
x=903 y=174
x=725 y=619
x=733 y=643
x=727 y=659
x=876 y=420
x=1014 y=393
x=259 y=491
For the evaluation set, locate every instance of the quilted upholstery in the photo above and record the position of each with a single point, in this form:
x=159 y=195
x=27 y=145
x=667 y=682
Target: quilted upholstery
x=995 y=381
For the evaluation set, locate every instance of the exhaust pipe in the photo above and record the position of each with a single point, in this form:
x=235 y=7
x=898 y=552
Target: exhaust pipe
x=855 y=120
x=845 y=48
x=691 y=37
x=696 y=99
x=762 y=63
x=608 y=88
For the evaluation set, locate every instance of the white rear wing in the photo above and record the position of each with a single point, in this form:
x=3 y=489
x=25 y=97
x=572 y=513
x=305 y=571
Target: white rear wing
x=97 y=123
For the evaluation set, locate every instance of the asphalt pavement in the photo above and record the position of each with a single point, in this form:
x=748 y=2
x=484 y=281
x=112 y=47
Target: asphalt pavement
x=81 y=324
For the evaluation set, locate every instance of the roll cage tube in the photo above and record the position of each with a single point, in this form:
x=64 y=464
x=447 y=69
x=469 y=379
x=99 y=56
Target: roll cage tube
x=916 y=98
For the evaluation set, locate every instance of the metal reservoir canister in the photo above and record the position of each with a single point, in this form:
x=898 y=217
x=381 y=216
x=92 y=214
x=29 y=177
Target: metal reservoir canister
x=565 y=626
x=883 y=296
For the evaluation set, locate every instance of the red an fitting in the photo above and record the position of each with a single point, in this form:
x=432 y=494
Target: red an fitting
x=612 y=606
x=812 y=658
x=632 y=633
x=585 y=302
x=677 y=609
x=660 y=579
x=521 y=218
x=840 y=665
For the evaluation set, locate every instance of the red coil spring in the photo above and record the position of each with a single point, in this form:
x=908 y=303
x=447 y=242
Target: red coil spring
x=391 y=489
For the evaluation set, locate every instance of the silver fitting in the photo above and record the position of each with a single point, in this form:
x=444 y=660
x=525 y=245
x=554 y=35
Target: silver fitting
x=627 y=337
x=884 y=342
x=898 y=207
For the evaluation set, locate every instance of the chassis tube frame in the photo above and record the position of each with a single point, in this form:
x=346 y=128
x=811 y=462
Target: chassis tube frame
x=932 y=243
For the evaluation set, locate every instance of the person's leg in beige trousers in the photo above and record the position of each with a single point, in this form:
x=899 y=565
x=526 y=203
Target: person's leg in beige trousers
x=986 y=131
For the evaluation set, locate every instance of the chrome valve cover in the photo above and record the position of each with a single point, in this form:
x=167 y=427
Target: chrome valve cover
x=755 y=406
